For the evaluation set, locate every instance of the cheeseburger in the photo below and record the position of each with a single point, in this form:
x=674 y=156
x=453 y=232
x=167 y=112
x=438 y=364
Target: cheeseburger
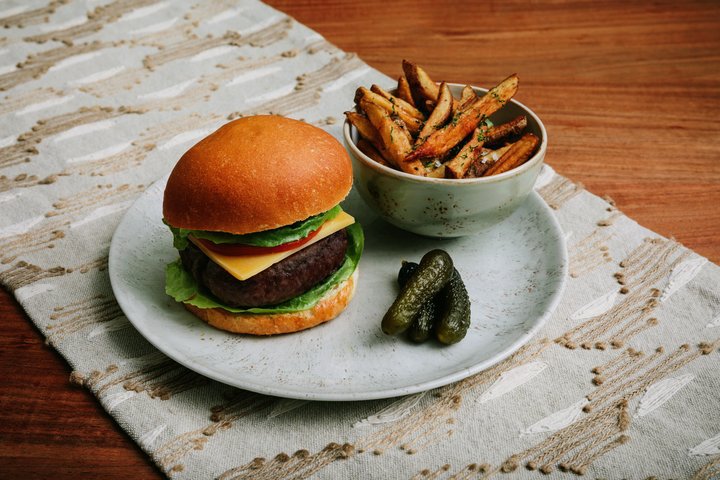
x=265 y=247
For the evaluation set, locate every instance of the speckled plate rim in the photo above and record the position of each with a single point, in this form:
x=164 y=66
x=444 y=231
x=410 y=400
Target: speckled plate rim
x=124 y=299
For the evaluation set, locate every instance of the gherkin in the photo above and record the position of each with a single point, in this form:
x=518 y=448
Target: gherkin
x=435 y=270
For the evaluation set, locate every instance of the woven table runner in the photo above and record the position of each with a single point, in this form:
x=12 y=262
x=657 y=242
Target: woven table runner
x=99 y=99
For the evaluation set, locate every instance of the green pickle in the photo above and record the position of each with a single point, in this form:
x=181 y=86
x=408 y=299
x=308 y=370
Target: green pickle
x=455 y=319
x=407 y=270
x=434 y=272
x=422 y=326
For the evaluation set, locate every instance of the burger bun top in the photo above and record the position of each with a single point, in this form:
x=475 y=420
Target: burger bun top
x=257 y=173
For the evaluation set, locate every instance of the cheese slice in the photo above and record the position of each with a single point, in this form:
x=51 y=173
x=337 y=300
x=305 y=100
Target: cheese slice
x=243 y=267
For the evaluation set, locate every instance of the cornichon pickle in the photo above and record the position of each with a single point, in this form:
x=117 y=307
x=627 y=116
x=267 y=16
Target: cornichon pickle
x=422 y=326
x=424 y=323
x=455 y=319
x=435 y=270
x=406 y=271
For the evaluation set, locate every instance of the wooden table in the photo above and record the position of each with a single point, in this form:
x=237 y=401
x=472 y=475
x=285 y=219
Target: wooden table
x=630 y=95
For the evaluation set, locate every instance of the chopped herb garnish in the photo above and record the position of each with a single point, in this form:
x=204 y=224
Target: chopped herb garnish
x=497 y=97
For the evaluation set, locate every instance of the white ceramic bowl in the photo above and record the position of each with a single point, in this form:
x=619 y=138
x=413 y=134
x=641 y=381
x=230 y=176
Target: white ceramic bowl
x=439 y=207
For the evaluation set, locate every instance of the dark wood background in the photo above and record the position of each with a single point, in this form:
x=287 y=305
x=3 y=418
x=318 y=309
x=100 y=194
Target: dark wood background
x=630 y=95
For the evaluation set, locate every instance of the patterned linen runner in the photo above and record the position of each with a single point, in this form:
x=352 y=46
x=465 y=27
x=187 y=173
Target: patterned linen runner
x=99 y=98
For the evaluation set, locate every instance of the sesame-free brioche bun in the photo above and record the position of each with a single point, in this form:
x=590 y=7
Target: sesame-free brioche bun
x=257 y=173
x=329 y=307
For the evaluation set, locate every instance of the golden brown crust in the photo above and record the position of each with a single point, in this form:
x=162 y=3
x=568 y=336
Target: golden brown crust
x=257 y=173
x=329 y=307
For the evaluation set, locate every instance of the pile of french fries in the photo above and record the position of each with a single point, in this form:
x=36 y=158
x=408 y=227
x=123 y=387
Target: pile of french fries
x=420 y=128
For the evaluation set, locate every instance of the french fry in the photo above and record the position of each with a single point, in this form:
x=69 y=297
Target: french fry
x=402 y=128
x=399 y=102
x=403 y=90
x=467 y=97
x=363 y=126
x=516 y=155
x=463 y=123
x=421 y=85
x=393 y=138
x=486 y=160
x=458 y=166
x=368 y=132
x=439 y=116
x=363 y=94
x=424 y=90
x=438 y=172
x=499 y=132
x=368 y=149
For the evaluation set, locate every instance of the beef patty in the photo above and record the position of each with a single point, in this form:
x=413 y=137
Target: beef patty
x=276 y=284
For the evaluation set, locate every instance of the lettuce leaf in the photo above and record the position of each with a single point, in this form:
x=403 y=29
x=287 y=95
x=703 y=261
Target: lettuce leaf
x=268 y=238
x=181 y=286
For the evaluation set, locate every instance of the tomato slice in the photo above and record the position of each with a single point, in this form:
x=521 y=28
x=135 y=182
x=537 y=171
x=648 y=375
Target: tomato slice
x=234 y=249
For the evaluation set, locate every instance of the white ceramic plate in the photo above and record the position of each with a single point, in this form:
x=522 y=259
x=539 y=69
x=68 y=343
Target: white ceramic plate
x=514 y=274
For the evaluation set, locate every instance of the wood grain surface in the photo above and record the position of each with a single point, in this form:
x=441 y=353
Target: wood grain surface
x=630 y=95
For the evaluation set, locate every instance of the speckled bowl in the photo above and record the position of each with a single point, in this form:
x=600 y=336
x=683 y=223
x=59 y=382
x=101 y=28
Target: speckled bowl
x=439 y=207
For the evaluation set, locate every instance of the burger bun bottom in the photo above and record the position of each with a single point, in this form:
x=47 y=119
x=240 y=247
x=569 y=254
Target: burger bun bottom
x=329 y=307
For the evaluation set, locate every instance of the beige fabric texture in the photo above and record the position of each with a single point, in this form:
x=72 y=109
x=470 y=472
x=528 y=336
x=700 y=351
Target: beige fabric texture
x=98 y=100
